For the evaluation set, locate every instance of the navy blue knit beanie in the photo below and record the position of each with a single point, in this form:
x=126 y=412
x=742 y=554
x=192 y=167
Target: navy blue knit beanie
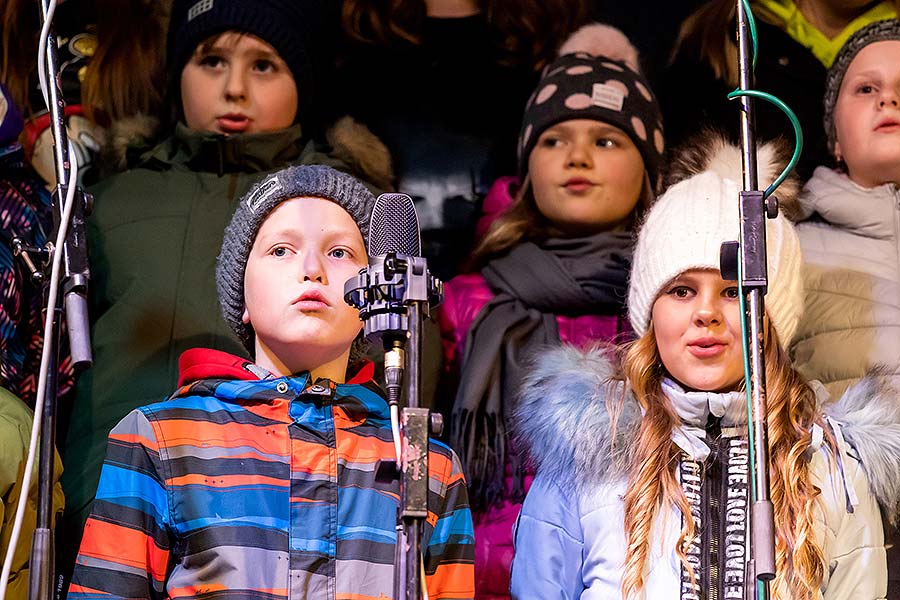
x=280 y=23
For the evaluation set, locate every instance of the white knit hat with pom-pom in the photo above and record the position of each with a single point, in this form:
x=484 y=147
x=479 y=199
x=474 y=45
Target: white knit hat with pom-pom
x=686 y=228
x=596 y=77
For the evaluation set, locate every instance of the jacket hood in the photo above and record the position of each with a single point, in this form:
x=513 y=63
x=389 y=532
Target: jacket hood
x=563 y=418
x=834 y=198
x=201 y=370
x=869 y=416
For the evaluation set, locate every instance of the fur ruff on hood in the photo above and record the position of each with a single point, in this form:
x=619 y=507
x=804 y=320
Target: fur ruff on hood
x=869 y=416
x=351 y=141
x=563 y=419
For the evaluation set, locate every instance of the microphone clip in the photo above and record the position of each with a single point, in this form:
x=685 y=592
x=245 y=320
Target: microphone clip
x=384 y=290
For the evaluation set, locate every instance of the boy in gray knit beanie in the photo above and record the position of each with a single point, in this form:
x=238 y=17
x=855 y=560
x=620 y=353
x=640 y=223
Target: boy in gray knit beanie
x=294 y=240
x=251 y=471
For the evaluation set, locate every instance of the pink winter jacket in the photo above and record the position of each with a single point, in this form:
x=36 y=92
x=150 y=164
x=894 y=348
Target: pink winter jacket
x=464 y=297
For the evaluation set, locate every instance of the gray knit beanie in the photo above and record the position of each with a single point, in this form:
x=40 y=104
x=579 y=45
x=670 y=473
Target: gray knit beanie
x=293 y=182
x=878 y=31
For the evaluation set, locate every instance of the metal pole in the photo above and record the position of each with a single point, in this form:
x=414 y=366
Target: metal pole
x=762 y=541
x=42 y=552
x=415 y=426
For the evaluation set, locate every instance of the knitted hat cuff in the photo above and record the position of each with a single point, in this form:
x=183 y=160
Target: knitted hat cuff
x=299 y=181
x=879 y=31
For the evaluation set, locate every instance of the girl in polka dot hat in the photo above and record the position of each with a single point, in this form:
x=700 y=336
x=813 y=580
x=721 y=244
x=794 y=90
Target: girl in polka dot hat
x=552 y=267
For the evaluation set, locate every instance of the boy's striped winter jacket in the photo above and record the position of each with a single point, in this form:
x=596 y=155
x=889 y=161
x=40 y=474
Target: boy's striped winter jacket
x=264 y=488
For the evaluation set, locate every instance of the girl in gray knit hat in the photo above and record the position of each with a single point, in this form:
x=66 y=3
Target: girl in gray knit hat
x=851 y=230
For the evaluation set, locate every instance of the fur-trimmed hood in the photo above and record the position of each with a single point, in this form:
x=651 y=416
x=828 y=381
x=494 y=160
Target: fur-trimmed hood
x=563 y=420
x=350 y=141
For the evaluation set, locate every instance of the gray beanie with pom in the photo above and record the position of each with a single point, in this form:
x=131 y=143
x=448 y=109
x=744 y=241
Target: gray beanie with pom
x=293 y=182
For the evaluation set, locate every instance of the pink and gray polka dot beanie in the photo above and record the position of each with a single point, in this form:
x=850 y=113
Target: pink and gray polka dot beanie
x=596 y=77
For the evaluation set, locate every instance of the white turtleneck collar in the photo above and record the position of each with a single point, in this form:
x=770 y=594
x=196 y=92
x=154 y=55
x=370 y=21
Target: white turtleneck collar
x=868 y=212
x=694 y=409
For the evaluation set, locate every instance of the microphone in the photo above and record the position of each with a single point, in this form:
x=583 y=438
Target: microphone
x=394 y=226
x=397 y=278
x=393 y=295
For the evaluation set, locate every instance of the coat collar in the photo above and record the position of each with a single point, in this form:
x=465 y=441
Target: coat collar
x=695 y=408
x=842 y=203
x=563 y=418
x=216 y=153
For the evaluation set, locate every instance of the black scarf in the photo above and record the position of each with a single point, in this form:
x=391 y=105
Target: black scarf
x=533 y=284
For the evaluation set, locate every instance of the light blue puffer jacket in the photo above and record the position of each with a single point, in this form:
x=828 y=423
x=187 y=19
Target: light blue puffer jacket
x=570 y=538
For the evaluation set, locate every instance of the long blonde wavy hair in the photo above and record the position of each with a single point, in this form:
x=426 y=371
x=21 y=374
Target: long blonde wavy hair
x=653 y=484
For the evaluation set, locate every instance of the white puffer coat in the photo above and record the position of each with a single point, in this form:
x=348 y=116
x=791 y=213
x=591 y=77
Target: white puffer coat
x=851 y=250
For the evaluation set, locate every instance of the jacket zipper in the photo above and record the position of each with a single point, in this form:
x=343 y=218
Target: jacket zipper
x=713 y=504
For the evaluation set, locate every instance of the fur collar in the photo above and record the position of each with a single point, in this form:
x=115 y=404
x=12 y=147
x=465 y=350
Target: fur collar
x=869 y=416
x=350 y=141
x=563 y=420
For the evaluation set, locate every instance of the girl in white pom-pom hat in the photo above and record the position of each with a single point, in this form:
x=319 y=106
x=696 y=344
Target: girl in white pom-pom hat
x=642 y=470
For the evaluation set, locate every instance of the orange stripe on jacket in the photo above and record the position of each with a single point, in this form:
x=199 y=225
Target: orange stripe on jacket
x=177 y=432
x=225 y=481
x=124 y=546
x=452 y=580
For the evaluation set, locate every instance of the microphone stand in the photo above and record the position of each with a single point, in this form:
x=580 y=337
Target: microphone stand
x=73 y=294
x=750 y=255
x=394 y=295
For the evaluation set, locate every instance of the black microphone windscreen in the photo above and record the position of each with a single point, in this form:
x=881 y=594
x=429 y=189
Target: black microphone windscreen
x=394 y=226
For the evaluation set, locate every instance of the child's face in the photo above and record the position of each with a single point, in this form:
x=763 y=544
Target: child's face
x=696 y=320
x=586 y=176
x=867 y=115
x=294 y=284
x=239 y=84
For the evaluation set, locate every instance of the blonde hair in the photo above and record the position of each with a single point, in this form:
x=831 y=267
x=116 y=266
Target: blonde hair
x=653 y=484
